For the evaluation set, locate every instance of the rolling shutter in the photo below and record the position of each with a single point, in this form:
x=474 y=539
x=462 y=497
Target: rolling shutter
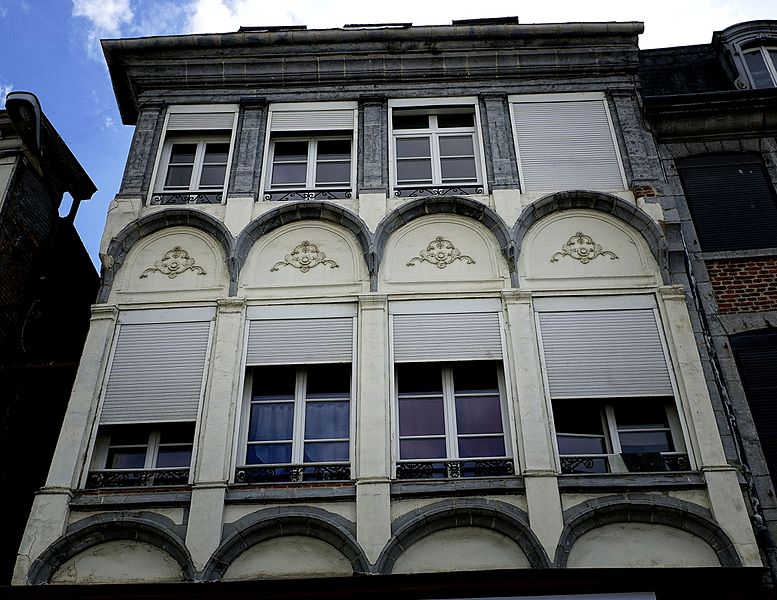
x=566 y=145
x=312 y=120
x=731 y=201
x=156 y=373
x=604 y=354
x=300 y=341
x=200 y=121
x=446 y=337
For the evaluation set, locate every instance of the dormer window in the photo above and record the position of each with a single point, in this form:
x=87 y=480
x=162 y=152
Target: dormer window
x=762 y=65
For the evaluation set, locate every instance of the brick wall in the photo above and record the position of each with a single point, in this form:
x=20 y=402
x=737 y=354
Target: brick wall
x=744 y=284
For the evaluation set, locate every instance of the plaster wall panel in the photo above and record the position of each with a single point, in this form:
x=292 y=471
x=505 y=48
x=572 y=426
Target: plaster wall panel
x=585 y=249
x=402 y=507
x=443 y=252
x=178 y=263
x=640 y=545
x=140 y=563
x=698 y=497
x=461 y=549
x=235 y=512
x=305 y=256
x=175 y=514
x=291 y=556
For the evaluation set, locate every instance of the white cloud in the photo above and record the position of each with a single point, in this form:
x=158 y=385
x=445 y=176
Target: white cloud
x=109 y=123
x=105 y=19
x=5 y=89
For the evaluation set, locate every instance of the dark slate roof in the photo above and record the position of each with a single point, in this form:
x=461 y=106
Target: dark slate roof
x=682 y=70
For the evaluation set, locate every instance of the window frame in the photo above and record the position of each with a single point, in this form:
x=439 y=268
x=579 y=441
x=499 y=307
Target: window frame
x=311 y=163
x=764 y=50
x=433 y=107
x=202 y=136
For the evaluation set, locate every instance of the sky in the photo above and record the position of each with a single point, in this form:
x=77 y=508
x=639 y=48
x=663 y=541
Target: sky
x=51 y=48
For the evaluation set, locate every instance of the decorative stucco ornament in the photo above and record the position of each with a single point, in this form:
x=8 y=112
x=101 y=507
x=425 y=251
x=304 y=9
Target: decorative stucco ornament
x=173 y=263
x=582 y=247
x=440 y=252
x=305 y=257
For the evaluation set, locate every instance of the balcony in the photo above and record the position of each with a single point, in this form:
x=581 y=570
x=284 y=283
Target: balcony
x=455 y=469
x=285 y=473
x=637 y=462
x=120 y=478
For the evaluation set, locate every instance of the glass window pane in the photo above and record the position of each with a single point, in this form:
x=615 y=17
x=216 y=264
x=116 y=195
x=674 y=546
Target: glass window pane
x=213 y=175
x=476 y=447
x=758 y=70
x=126 y=458
x=172 y=433
x=174 y=456
x=276 y=382
x=414 y=171
x=329 y=381
x=216 y=153
x=400 y=121
x=129 y=435
x=178 y=176
x=475 y=376
x=325 y=451
x=333 y=173
x=421 y=416
x=271 y=421
x=463 y=119
x=456 y=145
x=577 y=416
x=419 y=449
x=291 y=151
x=419 y=378
x=632 y=414
x=646 y=441
x=334 y=149
x=326 y=420
x=258 y=454
x=479 y=414
x=458 y=169
x=573 y=444
x=413 y=147
x=183 y=153
x=289 y=173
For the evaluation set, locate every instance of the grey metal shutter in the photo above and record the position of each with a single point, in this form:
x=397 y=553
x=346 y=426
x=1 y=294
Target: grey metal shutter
x=157 y=372
x=200 y=121
x=566 y=145
x=731 y=200
x=312 y=120
x=300 y=341
x=444 y=337
x=604 y=354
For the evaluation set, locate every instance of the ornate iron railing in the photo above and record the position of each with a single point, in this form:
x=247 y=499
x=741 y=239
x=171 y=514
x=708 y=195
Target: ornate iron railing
x=455 y=469
x=638 y=462
x=584 y=464
x=448 y=190
x=286 y=195
x=165 y=198
x=293 y=473
x=116 y=478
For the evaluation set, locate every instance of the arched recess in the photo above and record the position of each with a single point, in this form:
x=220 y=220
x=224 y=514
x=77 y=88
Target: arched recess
x=264 y=525
x=644 y=508
x=500 y=517
x=153 y=529
x=150 y=224
x=302 y=211
x=602 y=202
x=464 y=207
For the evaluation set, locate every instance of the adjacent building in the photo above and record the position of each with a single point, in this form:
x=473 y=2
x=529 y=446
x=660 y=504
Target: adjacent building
x=435 y=305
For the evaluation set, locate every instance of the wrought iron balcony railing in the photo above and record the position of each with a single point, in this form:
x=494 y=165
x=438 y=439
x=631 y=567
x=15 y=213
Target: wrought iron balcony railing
x=455 y=469
x=636 y=462
x=164 y=198
x=293 y=473
x=286 y=195
x=117 y=478
x=438 y=190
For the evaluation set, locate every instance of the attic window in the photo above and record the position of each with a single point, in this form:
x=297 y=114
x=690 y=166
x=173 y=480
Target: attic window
x=762 y=65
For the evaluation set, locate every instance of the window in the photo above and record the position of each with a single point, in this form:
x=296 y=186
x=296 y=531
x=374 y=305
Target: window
x=310 y=152
x=296 y=416
x=194 y=160
x=610 y=387
x=299 y=415
x=140 y=455
x=449 y=412
x=762 y=65
x=436 y=150
x=566 y=142
x=620 y=435
x=731 y=200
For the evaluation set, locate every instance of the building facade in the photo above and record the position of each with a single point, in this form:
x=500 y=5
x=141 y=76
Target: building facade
x=394 y=300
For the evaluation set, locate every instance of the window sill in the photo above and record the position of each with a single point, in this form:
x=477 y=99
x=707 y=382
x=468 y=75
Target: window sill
x=728 y=254
x=130 y=497
x=179 y=198
x=292 y=492
x=290 y=195
x=612 y=482
x=501 y=486
x=439 y=191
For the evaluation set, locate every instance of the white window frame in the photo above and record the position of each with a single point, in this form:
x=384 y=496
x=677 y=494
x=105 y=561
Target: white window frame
x=202 y=136
x=311 y=164
x=565 y=97
x=432 y=107
x=303 y=133
x=103 y=446
x=677 y=426
x=771 y=66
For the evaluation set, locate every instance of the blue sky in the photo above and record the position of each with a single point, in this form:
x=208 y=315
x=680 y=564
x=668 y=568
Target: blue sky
x=51 y=48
